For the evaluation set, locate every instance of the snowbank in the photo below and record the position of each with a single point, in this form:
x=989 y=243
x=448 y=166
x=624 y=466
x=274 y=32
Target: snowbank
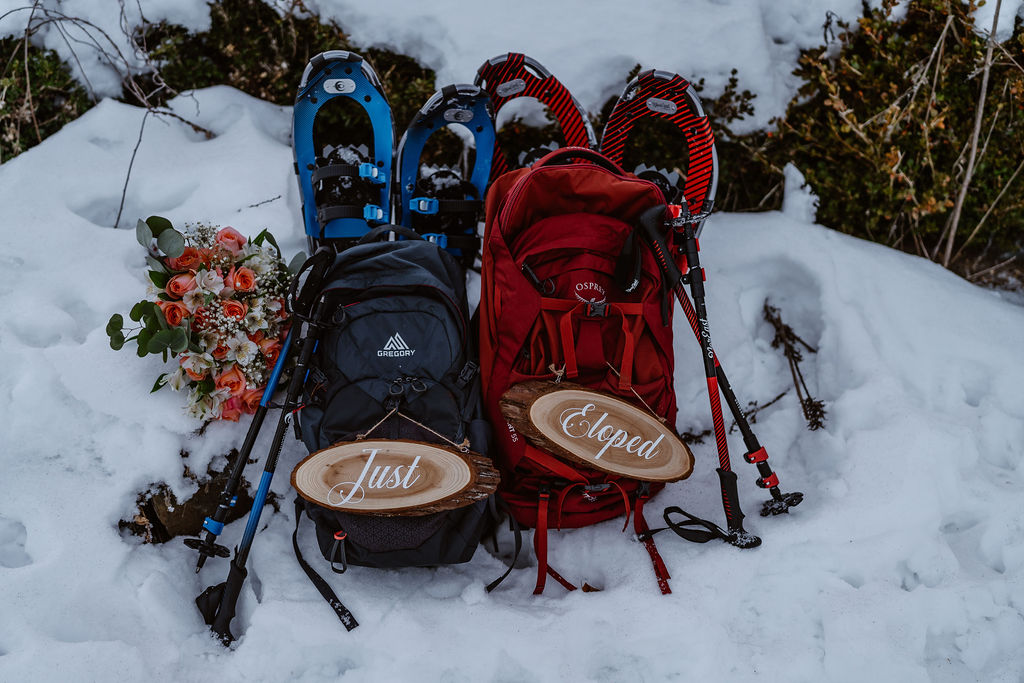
x=905 y=561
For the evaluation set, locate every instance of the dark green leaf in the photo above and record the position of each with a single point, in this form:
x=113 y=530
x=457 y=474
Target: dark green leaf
x=115 y=324
x=143 y=234
x=265 y=235
x=161 y=341
x=180 y=341
x=205 y=386
x=139 y=310
x=158 y=224
x=159 y=279
x=143 y=341
x=117 y=343
x=160 y=382
x=171 y=242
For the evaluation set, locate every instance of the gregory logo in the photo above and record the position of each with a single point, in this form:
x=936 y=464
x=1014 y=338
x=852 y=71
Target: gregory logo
x=396 y=347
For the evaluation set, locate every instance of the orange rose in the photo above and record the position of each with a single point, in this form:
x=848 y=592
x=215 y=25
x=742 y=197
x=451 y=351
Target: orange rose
x=230 y=239
x=174 y=312
x=189 y=260
x=271 y=348
x=231 y=409
x=257 y=336
x=251 y=399
x=232 y=379
x=242 y=279
x=234 y=309
x=179 y=284
x=200 y=318
x=220 y=352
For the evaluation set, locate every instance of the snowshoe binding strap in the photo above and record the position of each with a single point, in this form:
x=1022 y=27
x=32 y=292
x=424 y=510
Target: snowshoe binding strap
x=513 y=75
x=447 y=204
x=345 y=188
x=668 y=96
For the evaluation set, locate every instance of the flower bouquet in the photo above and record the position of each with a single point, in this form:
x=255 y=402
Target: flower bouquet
x=216 y=301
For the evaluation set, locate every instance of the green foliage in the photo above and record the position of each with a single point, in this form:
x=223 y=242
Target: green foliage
x=882 y=125
x=37 y=96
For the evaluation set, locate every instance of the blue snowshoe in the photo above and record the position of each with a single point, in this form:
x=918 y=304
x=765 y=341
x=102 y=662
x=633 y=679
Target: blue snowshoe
x=439 y=202
x=343 y=165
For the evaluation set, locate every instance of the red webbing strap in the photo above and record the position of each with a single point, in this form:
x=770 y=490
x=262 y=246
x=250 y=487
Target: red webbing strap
x=569 y=342
x=626 y=363
x=540 y=547
x=553 y=465
x=641 y=528
x=540 y=542
x=568 y=338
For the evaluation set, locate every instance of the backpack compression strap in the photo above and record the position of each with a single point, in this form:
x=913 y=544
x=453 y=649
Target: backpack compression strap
x=346 y=618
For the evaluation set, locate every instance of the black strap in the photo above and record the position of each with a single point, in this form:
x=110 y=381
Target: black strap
x=471 y=242
x=326 y=214
x=334 y=171
x=518 y=544
x=693 y=529
x=382 y=231
x=458 y=205
x=346 y=618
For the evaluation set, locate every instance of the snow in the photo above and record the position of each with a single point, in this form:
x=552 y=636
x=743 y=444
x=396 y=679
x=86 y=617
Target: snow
x=904 y=562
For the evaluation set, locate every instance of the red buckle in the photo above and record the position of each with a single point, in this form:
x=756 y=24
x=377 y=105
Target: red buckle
x=769 y=482
x=340 y=535
x=675 y=210
x=760 y=455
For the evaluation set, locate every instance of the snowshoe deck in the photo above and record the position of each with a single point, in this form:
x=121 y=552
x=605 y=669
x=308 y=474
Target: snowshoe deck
x=668 y=96
x=442 y=205
x=344 y=184
x=513 y=75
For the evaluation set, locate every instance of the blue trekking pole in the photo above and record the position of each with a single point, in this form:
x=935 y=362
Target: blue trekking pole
x=213 y=525
x=217 y=603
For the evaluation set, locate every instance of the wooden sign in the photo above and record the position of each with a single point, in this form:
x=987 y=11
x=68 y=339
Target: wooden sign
x=394 y=477
x=598 y=430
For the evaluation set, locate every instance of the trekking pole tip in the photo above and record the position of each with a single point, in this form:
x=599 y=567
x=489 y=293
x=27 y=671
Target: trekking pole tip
x=781 y=504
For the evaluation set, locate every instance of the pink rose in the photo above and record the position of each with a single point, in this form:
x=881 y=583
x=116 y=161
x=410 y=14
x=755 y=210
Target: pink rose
x=231 y=409
x=230 y=239
x=179 y=284
x=251 y=399
x=232 y=379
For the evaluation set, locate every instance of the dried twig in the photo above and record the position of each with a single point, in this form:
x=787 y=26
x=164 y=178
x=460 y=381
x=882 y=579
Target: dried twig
x=785 y=337
x=979 y=113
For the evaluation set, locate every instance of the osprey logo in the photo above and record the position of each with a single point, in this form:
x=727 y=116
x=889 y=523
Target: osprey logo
x=396 y=347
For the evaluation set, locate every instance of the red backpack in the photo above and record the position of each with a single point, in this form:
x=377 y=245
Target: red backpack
x=568 y=291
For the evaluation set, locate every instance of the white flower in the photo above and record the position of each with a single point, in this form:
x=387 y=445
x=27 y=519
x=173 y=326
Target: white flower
x=241 y=349
x=178 y=379
x=209 y=340
x=203 y=408
x=194 y=299
x=198 y=363
x=255 y=320
x=209 y=281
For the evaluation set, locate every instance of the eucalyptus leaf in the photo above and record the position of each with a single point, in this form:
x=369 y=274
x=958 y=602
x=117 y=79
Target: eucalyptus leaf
x=158 y=224
x=156 y=265
x=159 y=279
x=138 y=310
x=180 y=341
x=161 y=341
x=171 y=242
x=143 y=234
x=117 y=343
x=115 y=324
x=143 y=341
x=296 y=262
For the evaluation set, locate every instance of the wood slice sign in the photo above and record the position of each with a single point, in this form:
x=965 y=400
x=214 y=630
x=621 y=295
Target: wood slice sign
x=393 y=477
x=598 y=430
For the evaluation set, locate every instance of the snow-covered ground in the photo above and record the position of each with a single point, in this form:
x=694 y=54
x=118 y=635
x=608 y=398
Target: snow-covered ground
x=904 y=563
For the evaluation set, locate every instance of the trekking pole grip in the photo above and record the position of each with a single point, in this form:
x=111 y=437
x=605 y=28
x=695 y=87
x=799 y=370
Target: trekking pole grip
x=652 y=223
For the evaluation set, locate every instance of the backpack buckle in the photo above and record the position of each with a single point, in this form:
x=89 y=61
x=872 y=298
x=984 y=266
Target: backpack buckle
x=467 y=373
x=596 y=309
x=427 y=205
